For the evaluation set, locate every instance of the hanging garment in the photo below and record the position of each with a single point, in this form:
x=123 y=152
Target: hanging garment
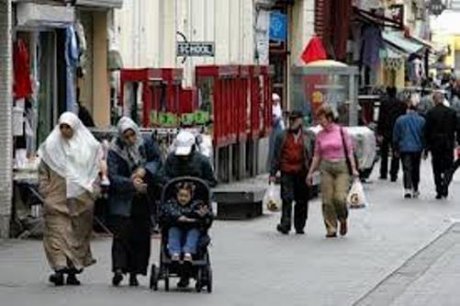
x=372 y=42
x=22 y=82
x=71 y=57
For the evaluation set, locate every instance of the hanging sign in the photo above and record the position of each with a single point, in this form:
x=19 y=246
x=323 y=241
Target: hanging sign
x=278 y=26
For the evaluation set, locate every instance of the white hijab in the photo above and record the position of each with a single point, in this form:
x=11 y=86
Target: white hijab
x=76 y=159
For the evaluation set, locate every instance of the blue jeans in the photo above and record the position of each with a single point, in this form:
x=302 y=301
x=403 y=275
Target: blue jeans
x=182 y=240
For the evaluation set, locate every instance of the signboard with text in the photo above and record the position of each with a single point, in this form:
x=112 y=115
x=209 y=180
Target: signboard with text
x=197 y=49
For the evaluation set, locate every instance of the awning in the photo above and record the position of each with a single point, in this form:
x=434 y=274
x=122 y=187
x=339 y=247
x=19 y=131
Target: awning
x=42 y=15
x=399 y=41
x=108 y=4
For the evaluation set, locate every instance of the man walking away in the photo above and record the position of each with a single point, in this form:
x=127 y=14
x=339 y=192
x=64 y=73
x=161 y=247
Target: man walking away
x=409 y=143
x=440 y=136
x=390 y=110
x=291 y=157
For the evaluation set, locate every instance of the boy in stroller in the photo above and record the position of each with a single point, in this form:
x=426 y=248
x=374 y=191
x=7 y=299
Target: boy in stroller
x=186 y=218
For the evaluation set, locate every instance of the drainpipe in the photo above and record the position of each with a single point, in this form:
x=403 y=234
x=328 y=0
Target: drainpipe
x=6 y=139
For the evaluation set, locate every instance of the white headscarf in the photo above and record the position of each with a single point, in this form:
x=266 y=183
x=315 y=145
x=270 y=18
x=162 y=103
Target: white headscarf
x=130 y=153
x=76 y=159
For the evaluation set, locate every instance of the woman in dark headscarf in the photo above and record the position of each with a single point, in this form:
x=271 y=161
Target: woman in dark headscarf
x=133 y=163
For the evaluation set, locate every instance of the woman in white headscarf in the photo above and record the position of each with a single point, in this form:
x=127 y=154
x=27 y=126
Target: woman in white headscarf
x=69 y=173
x=133 y=165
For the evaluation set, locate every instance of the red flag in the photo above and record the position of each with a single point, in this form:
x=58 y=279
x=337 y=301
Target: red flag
x=314 y=51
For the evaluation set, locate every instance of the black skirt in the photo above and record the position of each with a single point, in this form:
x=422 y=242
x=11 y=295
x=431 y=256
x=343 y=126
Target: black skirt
x=131 y=239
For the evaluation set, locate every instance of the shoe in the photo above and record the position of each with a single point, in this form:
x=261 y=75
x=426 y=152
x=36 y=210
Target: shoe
x=331 y=235
x=383 y=178
x=394 y=179
x=300 y=232
x=57 y=279
x=183 y=283
x=343 y=228
x=175 y=257
x=72 y=280
x=415 y=194
x=117 y=279
x=407 y=194
x=188 y=257
x=133 y=280
x=438 y=196
x=282 y=230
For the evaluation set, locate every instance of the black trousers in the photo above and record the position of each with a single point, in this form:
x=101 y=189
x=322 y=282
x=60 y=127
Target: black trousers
x=294 y=188
x=384 y=154
x=442 y=162
x=411 y=169
x=131 y=239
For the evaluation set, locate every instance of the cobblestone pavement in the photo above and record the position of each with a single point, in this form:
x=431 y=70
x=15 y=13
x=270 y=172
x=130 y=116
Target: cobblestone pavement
x=253 y=265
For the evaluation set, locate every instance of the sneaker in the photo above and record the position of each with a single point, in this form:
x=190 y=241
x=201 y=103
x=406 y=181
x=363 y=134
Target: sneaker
x=300 y=232
x=331 y=235
x=407 y=194
x=188 y=257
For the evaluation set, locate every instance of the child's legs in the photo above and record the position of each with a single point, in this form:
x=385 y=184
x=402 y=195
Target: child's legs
x=174 y=240
x=191 y=241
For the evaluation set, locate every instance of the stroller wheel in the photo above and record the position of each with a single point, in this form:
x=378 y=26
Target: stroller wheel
x=166 y=276
x=209 y=281
x=154 y=278
x=199 y=280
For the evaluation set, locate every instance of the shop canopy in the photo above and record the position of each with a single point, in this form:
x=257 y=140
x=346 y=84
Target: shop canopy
x=398 y=40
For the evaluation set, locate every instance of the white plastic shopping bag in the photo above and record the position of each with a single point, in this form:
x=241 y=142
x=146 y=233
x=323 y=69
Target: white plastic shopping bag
x=272 y=198
x=356 y=197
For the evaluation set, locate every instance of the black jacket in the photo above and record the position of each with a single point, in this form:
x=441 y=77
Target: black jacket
x=440 y=128
x=390 y=110
x=196 y=165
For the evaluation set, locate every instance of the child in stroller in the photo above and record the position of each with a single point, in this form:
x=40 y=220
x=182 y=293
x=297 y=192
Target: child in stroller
x=185 y=217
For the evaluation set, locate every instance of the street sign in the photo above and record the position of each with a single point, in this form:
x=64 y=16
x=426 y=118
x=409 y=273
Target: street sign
x=198 y=49
x=436 y=7
x=278 y=26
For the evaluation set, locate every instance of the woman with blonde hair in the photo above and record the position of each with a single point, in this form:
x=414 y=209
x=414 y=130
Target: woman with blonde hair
x=333 y=156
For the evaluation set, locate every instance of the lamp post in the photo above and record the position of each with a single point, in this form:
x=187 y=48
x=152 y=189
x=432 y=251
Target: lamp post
x=6 y=139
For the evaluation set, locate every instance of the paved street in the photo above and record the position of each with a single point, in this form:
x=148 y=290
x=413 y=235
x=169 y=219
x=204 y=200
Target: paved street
x=253 y=265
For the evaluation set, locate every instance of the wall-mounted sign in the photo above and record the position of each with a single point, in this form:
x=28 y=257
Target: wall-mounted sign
x=278 y=26
x=199 y=49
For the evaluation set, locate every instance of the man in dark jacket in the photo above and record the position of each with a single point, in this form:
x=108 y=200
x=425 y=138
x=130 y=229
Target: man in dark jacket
x=440 y=132
x=291 y=157
x=187 y=161
x=390 y=110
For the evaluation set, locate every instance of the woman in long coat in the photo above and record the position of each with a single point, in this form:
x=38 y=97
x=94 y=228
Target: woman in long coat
x=133 y=163
x=71 y=162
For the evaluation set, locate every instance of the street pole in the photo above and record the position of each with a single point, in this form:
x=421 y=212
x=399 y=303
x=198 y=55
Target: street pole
x=6 y=140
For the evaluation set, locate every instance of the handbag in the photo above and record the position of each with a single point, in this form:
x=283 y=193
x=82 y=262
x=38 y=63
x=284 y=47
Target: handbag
x=347 y=156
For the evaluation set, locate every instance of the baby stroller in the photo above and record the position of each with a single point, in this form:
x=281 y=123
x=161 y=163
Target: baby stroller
x=200 y=267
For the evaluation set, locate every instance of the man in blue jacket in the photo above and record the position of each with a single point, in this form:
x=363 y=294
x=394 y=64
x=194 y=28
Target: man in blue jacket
x=408 y=140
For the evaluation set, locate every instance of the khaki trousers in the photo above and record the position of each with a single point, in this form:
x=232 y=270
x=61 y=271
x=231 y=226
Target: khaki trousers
x=335 y=183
